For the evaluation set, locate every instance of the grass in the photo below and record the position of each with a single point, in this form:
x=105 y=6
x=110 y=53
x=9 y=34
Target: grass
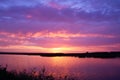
x=33 y=75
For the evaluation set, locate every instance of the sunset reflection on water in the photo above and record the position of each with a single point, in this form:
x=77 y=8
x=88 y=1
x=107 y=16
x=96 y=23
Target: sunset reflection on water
x=83 y=68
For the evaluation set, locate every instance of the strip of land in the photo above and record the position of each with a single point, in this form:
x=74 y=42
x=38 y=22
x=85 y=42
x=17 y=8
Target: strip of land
x=80 y=55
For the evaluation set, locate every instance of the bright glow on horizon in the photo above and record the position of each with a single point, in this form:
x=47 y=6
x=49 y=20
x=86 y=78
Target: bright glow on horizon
x=56 y=50
x=67 y=49
x=59 y=50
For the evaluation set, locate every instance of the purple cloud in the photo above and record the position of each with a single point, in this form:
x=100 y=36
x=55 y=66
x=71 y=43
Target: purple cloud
x=73 y=16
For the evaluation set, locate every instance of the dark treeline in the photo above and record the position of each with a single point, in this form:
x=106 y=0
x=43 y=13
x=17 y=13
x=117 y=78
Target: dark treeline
x=87 y=55
x=80 y=55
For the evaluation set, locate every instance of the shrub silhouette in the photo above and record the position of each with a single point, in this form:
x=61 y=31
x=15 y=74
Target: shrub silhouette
x=41 y=75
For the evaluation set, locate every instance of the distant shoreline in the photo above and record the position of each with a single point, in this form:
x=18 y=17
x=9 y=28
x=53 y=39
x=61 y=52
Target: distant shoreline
x=80 y=55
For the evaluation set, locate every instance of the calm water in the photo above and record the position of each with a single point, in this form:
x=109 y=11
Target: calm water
x=82 y=68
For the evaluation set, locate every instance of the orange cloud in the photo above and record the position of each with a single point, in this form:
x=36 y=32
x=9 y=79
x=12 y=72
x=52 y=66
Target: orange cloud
x=47 y=34
x=65 y=34
x=28 y=42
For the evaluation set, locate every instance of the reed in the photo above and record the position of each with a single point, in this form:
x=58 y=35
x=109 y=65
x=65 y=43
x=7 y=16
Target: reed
x=33 y=75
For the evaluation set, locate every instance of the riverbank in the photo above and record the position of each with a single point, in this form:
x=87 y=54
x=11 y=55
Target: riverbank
x=80 y=55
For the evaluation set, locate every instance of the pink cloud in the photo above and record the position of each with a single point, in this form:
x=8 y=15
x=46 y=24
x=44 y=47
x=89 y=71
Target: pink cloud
x=57 y=34
x=59 y=39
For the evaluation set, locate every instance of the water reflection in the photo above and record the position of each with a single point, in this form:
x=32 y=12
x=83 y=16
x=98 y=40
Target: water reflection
x=59 y=61
x=84 y=68
x=62 y=61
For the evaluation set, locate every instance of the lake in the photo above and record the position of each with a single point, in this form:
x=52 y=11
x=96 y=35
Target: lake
x=81 y=68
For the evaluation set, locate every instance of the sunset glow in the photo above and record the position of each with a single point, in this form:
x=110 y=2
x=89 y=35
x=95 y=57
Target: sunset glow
x=59 y=39
x=59 y=26
x=59 y=50
x=56 y=50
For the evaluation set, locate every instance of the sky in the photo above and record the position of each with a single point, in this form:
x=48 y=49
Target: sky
x=59 y=25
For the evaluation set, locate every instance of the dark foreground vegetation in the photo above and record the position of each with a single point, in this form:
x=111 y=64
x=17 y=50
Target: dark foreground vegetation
x=80 y=55
x=33 y=75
